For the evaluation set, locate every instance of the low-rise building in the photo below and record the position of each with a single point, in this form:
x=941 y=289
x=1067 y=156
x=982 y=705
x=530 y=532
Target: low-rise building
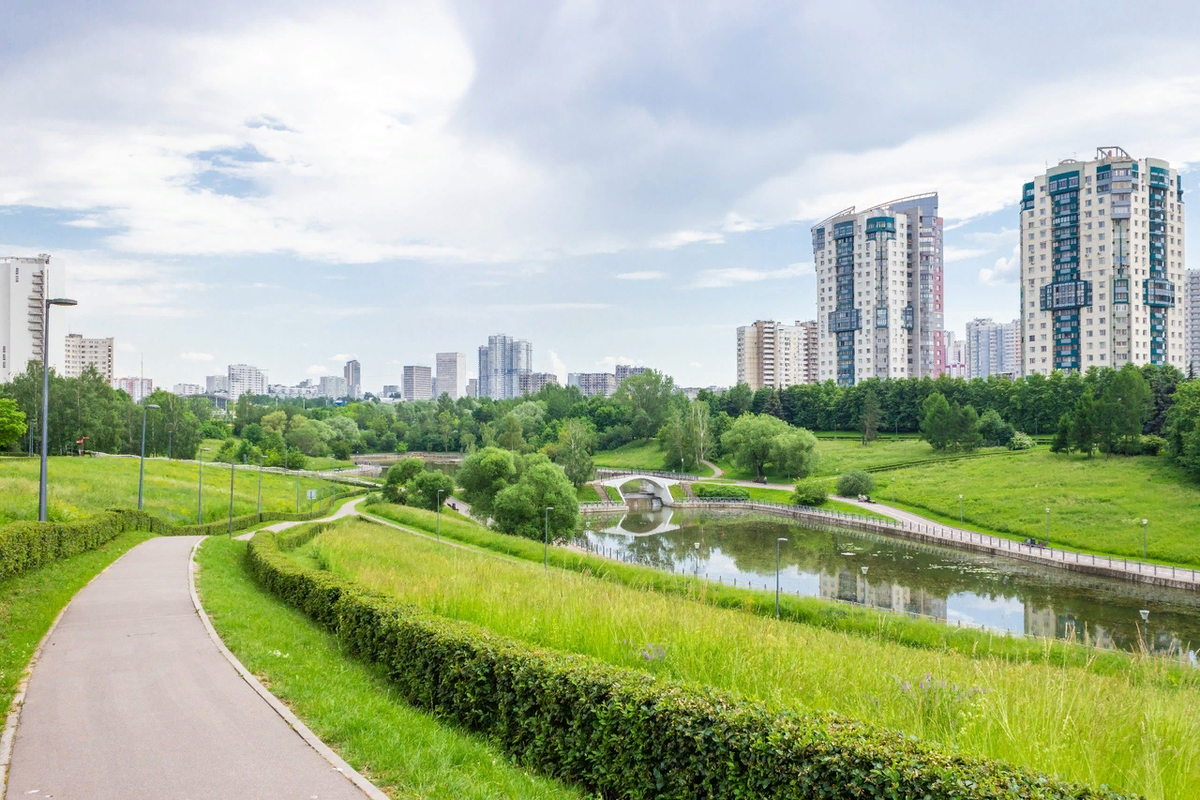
x=187 y=389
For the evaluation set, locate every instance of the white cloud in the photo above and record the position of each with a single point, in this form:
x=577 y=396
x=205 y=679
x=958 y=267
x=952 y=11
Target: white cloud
x=557 y=366
x=610 y=362
x=1004 y=271
x=696 y=364
x=126 y=347
x=196 y=356
x=316 y=369
x=341 y=357
x=721 y=278
x=683 y=238
x=641 y=276
x=952 y=254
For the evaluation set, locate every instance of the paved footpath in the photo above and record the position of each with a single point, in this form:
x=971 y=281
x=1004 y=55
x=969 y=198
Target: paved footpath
x=131 y=699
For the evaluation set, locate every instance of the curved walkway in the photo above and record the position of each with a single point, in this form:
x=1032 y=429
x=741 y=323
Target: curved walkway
x=130 y=698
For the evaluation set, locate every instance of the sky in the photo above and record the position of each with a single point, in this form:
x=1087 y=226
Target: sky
x=291 y=184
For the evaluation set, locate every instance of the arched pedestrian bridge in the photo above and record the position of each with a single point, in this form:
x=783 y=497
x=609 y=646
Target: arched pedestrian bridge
x=657 y=484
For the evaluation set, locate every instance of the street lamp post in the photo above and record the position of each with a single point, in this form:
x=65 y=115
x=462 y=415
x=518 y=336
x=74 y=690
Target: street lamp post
x=200 y=483
x=1146 y=626
x=960 y=514
x=437 y=526
x=546 y=541
x=1145 y=522
x=142 y=463
x=777 y=541
x=260 y=465
x=232 y=469
x=697 y=573
x=1047 y=524
x=50 y=301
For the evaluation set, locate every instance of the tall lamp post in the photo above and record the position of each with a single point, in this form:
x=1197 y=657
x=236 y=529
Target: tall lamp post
x=777 y=542
x=1047 y=524
x=50 y=301
x=960 y=516
x=1145 y=522
x=546 y=541
x=437 y=526
x=142 y=463
x=1146 y=626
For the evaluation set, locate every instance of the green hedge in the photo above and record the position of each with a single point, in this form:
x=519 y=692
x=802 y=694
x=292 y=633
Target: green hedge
x=621 y=732
x=709 y=492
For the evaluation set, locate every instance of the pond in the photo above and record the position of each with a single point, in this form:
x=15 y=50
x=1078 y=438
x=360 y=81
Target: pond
x=893 y=574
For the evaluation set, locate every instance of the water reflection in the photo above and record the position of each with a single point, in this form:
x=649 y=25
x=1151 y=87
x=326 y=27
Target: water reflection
x=908 y=577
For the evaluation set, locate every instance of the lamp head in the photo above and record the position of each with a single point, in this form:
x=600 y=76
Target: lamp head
x=1145 y=521
x=151 y=405
x=61 y=301
x=1145 y=614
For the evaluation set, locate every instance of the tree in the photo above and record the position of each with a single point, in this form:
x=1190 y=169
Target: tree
x=1062 y=435
x=749 y=440
x=511 y=436
x=12 y=422
x=405 y=470
x=1123 y=410
x=275 y=422
x=647 y=398
x=737 y=400
x=855 y=483
x=964 y=428
x=1085 y=424
x=423 y=489
x=520 y=509
x=483 y=475
x=576 y=438
x=794 y=452
x=868 y=417
x=994 y=430
x=936 y=421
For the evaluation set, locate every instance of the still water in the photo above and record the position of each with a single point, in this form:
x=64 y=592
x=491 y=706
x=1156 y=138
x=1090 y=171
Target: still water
x=903 y=576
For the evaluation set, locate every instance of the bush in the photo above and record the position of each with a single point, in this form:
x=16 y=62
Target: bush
x=994 y=430
x=214 y=430
x=810 y=493
x=621 y=732
x=855 y=483
x=1153 y=445
x=1020 y=441
x=717 y=492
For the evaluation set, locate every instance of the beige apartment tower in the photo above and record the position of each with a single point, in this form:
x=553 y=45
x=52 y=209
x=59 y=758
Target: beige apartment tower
x=773 y=354
x=82 y=353
x=1102 y=255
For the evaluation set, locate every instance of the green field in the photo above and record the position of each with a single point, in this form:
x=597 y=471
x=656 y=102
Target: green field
x=639 y=455
x=1132 y=733
x=77 y=487
x=587 y=494
x=351 y=706
x=785 y=496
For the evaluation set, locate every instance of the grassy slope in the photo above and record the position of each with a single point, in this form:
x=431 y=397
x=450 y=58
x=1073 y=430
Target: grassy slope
x=785 y=496
x=81 y=486
x=211 y=446
x=348 y=704
x=1133 y=735
x=587 y=494
x=639 y=455
x=30 y=602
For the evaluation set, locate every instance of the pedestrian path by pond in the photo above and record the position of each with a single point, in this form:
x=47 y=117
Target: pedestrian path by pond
x=910 y=577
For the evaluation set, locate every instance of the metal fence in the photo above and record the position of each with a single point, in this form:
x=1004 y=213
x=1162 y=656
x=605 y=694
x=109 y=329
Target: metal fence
x=604 y=474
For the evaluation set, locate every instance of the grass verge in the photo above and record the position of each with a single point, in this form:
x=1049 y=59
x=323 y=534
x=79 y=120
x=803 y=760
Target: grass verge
x=350 y=705
x=641 y=455
x=785 y=496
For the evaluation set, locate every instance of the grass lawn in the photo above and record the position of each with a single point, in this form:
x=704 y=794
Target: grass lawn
x=348 y=704
x=785 y=496
x=29 y=602
x=587 y=494
x=81 y=486
x=614 y=494
x=677 y=492
x=1096 y=504
x=639 y=455
x=1122 y=731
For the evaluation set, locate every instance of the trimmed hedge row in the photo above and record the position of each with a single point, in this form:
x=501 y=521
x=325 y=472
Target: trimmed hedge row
x=620 y=732
x=29 y=545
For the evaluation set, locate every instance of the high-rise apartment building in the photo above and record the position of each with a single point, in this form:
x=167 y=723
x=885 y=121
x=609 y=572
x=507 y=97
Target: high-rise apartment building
x=82 y=353
x=352 y=373
x=956 y=355
x=137 y=388
x=623 y=371
x=880 y=292
x=534 y=382
x=332 y=387
x=591 y=384
x=416 y=383
x=187 y=389
x=391 y=389
x=501 y=363
x=25 y=284
x=245 y=379
x=452 y=374
x=773 y=354
x=1191 y=325
x=472 y=387
x=1102 y=252
x=216 y=384
x=993 y=348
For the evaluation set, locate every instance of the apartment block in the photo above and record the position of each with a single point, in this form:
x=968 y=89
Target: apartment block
x=187 y=389
x=352 y=373
x=137 y=388
x=502 y=361
x=1102 y=252
x=956 y=356
x=245 y=379
x=25 y=284
x=777 y=355
x=216 y=384
x=472 y=387
x=391 y=389
x=534 y=382
x=1191 y=323
x=416 y=383
x=82 y=353
x=591 y=384
x=332 y=387
x=880 y=292
x=623 y=371
x=451 y=374
x=993 y=348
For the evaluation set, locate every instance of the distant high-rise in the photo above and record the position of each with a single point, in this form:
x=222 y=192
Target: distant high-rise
x=137 y=388
x=880 y=292
x=452 y=375
x=773 y=354
x=245 y=379
x=624 y=371
x=416 y=383
x=352 y=372
x=25 y=284
x=216 y=384
x=332 y=387
x=1101 y=256
x=391 y=389
x=82 y=353
x=534 y=382
x=502 y=361
x=1191 y=297
x=956 y=355
x=993 y=348
x=187 y=389
x=592 y=384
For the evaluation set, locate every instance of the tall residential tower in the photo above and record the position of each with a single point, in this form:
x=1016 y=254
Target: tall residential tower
x=452 y=375
x=502 y=362
x=880 y=292
x=25 y=284
x=777 y=355
x=1101 y=257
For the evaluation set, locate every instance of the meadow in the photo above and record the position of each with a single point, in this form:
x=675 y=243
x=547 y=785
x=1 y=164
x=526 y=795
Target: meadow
x=639 y=455
x=1126 y=731
x=78 y=487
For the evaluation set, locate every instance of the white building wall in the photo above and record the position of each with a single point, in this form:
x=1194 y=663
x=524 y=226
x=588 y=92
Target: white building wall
x=1191 y=315
x=25 y=283
x=452 y=374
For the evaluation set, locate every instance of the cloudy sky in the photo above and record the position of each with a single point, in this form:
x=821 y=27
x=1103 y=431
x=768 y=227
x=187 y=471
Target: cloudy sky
x=288 y=184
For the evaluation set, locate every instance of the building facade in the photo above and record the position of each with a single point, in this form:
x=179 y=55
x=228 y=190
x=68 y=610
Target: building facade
x=592 y=384
x=80 y=353
x=416 y=383
x=993 y=348
x=216 y=384
x=352 y=373
x=1191 y=323
x=1102 y=252
x=880 y=292
x=472 y=387
x=502 y=361
x=137 y=388
x=623 y=371
x=187 y=389
x=25 y=284
x=245 y=379
x=391 y=389
x=452 y=374
x=534 y=382
x=773 y=354
x=332 y=387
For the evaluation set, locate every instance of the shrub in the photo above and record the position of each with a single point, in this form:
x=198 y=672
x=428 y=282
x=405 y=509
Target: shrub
x=855 y=483
x=1153 y=445
x=810 y=493
x=718 y=492
x=1020 y=441
x=994 y=430
x=621 y=732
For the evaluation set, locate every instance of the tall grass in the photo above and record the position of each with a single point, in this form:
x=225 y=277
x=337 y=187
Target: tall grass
x=78 y=487
x=1114 y=730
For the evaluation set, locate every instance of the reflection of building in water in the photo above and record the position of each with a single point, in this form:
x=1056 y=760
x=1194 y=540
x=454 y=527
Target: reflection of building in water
x=854 y=587
x=1047 y=624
